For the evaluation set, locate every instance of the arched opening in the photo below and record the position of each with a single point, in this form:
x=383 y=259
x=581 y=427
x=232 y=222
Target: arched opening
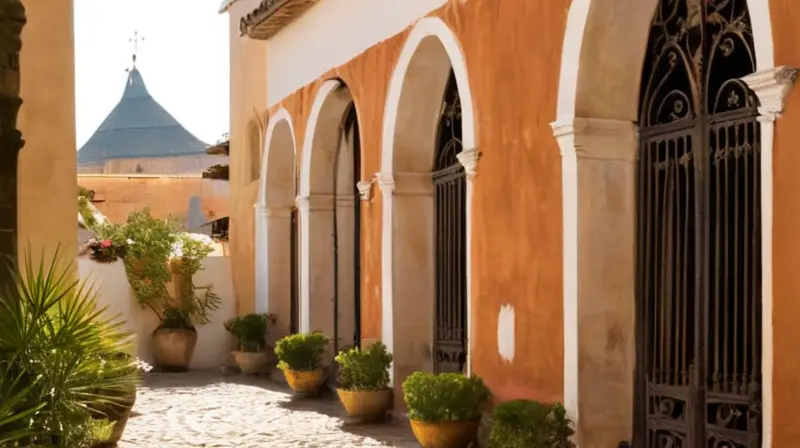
x=699 y=230
x=330 y=218
x=279 y=267
x=598 y=130
x=428 y=131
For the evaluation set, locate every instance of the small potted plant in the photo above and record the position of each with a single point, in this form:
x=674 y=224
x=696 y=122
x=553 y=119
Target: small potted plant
x=528 y=424
x=364 y=382
x=444 y=409
x=300 y=359
x=250 y=330
x=105 y=250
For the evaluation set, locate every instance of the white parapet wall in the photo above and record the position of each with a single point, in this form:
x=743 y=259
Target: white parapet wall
x=214 y=344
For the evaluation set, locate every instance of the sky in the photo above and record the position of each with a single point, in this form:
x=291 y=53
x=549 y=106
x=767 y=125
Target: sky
x=183 y=60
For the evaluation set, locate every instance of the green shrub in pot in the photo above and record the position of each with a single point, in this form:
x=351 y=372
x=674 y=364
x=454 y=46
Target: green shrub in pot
x=528 y=424
x=300 y=359
x=364 y=381
x=445 y=408
x=251 y=331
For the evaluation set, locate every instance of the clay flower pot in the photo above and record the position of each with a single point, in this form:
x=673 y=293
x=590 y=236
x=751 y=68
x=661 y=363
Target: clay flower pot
x=119 y=415
x=366 y=405
x=173 y=348
x=305 y=383
x=250 y=362
x=456 y=434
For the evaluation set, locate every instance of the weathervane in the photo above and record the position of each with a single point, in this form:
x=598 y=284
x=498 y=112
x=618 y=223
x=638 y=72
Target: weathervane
x=135 y=39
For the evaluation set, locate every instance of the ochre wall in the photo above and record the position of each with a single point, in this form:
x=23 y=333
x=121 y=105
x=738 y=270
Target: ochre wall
x=517 y=202
x=786 y=247
x=47 y=187
x=248 y=98
x=118 y=196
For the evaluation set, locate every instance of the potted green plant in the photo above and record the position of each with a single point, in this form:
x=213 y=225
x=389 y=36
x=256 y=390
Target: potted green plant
x=444 y=409
x=156 y=255
x=528 y=424
x=117 y=410
x=251 y=331
x=300 y=359
x=364 y=382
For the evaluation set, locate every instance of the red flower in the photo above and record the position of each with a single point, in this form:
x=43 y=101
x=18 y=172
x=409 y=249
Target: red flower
x=105 y=244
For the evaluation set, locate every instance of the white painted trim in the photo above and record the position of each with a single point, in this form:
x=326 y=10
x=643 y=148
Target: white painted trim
x=261 y=221
x=427 y=27
x=568 y=89
x=323 y=93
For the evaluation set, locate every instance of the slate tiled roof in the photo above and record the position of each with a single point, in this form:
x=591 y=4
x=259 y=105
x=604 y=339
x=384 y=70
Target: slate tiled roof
x=139 y=127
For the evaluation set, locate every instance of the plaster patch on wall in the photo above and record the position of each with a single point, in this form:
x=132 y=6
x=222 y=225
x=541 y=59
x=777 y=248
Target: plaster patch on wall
x=505 y=333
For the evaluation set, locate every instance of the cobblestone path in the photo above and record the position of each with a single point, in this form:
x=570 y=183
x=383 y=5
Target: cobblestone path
x=205 y=409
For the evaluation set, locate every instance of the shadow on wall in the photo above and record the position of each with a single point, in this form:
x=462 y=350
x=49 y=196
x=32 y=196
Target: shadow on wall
x=214 y=344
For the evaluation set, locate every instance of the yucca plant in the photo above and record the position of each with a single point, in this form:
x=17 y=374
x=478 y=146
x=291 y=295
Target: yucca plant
x=60 y=348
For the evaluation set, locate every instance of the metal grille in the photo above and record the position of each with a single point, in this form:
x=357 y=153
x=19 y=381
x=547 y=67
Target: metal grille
x=450 y=188
x=699 y=235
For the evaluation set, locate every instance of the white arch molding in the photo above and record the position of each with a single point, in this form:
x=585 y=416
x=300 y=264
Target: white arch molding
x=388 y=180
x=261 y=206
x=598 y=95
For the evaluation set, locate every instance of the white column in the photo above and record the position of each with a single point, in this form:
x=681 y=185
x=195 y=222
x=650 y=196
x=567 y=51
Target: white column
x=386 y=185
x=469 y=160
x=304 y=209
x=261 y=268
x=771 y=86
x=598 y=178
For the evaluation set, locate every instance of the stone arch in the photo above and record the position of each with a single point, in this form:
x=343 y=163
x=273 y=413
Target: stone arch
x=411 y=119
x=276 y=193
x=598 y=98
x=328 y=226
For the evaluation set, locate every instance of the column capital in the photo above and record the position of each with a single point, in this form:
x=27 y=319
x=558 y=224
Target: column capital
x=597 y=138
x=772 y=86
x=385 y=183
x=261 y=209
x=469 y=160
x=365 y=189
x=405 y=184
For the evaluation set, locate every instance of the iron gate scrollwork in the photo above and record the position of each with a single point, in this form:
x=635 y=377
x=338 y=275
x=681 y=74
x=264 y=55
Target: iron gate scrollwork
x=698 y=231
x=449 y=180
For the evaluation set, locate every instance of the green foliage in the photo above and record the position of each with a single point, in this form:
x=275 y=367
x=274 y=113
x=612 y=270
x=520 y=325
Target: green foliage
x=151 y=244
x=528 y=424
x=301 y=352
x=443 y=397
x=55 y=353
x=251 y=330
x=365 y=369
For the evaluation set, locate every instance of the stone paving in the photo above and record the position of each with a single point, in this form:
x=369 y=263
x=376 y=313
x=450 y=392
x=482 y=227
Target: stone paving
x=208 y=409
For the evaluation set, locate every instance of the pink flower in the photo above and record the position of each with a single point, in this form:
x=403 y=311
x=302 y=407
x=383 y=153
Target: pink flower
x=105 y=244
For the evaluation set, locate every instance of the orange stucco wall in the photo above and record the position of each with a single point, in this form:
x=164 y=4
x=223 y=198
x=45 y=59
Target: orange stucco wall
x=118 y=196
x=786 y=256
x=517 y=196
x=46 y=181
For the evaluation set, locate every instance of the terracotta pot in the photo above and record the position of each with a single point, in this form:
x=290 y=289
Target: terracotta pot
x=307 y=383
x=173 y=348
x=119 y=415
x=250 y=362
x=366 y=405
x=457 y=434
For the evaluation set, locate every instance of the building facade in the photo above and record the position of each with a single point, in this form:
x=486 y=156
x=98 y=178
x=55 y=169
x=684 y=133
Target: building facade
x=585 y=201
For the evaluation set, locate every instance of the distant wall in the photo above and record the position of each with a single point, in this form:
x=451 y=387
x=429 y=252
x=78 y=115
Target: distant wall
x=214 y=344
x=193 y=164
x=119 y=195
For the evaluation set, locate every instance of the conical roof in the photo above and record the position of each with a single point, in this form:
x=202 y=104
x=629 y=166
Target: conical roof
x=139 y=127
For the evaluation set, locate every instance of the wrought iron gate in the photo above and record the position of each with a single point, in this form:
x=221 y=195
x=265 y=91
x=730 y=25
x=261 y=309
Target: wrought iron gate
x=294 y=304
x=449 y=179
x=699 y=234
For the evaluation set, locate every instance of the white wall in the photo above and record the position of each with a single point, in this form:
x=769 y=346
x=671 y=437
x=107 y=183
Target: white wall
x=332 y=33
x=214 y=344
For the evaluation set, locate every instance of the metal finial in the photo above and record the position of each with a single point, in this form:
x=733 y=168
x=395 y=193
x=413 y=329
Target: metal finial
x=135 y=40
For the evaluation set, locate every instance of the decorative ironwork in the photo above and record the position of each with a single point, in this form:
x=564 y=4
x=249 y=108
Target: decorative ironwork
x=699 y=234
x=12 y=20
x=449 y=179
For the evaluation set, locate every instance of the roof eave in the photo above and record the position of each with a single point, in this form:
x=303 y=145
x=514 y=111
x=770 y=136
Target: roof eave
x=226 y=4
